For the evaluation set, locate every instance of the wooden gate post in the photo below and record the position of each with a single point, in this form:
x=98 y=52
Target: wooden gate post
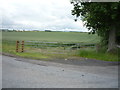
x=17 y=46
x=22 y=44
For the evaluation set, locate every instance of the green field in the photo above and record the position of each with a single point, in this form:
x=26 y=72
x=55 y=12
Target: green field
x=51 y=36
x=46 y=52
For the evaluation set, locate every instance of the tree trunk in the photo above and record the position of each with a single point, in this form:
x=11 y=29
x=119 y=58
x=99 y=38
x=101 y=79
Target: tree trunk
x=112 y=40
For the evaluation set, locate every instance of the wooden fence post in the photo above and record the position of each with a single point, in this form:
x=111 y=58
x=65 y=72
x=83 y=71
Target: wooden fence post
x=22 y=44
x=17 y=46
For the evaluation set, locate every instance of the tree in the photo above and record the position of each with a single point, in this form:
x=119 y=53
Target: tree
x=102 y=18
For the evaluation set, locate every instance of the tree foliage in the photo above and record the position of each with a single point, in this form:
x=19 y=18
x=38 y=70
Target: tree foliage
x=99 y=17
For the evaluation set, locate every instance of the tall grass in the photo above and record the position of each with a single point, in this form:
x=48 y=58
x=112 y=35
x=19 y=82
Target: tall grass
x=91 y=53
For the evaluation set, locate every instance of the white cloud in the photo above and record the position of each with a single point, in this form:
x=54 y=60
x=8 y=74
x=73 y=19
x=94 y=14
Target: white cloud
x=39 y=14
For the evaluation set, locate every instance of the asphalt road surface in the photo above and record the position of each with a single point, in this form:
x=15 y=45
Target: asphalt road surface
x=25 y=73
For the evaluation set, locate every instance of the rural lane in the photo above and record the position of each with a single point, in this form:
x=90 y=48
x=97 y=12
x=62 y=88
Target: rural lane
x=18 y=73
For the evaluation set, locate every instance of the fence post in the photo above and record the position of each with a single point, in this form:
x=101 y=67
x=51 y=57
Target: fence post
x=17 y=46
x=22 y=44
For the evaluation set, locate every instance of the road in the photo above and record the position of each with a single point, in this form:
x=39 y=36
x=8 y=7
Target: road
x=25 y=73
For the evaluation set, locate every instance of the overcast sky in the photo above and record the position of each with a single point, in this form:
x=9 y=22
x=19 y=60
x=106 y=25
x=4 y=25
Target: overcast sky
x=39 y=15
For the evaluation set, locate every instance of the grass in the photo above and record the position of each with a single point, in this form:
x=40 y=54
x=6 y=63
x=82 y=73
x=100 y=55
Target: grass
x=54 y=52
x=11 y=48
x=35 y=53
x=50 y=53
x=91 y=53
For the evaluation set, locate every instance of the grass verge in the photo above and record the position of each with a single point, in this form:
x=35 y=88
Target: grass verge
x=91 y=53
x=45 y=54
x=33 y=53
